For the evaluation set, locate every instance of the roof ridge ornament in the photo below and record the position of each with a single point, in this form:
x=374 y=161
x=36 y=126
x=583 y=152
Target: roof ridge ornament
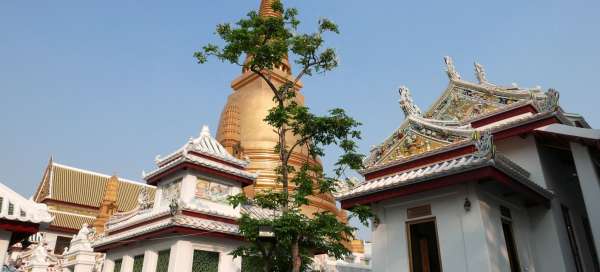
x=407 y=104
x=484 y=144
x=450 y=69
x=205 y=131
x=550 y=102
x=480 y=73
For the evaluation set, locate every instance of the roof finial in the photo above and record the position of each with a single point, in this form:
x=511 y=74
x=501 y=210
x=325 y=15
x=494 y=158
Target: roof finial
x=407 y=104
x=205 y=131
x=480 y=73
x=266 y=9
x=450 y=69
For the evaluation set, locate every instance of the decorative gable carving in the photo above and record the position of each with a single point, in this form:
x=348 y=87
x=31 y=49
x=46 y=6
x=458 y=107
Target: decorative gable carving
x=412 y=143
x=462 y=104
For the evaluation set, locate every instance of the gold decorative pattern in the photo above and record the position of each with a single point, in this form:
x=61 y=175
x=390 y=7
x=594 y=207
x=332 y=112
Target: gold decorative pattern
x=411 y=143
x=229 y=131
x=462 y=104
x=266 y=9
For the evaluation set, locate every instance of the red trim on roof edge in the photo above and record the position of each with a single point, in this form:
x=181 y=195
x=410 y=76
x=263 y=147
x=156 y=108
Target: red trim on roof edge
x=528 y=108
x=184 y=212
x=139 y=224
x=469 y=176
x=209 y=217
x=421 y=161
x=169 y=230
x=18 y=226
x=216 y=160
x=524 y=128
x=453 y=153
x=184 y=165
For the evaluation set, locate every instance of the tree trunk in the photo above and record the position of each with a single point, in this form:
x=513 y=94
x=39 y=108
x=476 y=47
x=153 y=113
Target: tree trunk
x=297 y=261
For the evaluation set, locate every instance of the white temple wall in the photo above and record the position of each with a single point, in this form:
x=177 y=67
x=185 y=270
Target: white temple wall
x=524 y=152
x=461 y=234
x=589 y=180
x=567 y=192
x=496 y=242
x=180 y=256
x=4 y=241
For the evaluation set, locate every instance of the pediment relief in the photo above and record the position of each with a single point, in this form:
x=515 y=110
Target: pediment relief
x=462 y=104
x=409 y=144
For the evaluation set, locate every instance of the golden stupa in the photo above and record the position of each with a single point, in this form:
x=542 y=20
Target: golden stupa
x=244 y=133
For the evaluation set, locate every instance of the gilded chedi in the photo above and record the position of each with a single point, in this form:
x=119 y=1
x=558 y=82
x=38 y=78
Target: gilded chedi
x=244 y=133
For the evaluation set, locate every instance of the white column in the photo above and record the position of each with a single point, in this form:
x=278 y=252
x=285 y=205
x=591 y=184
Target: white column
x=4 y=241
x=188 y=188
x=476 y=230
x=127 y=264
x=181 y=257
x=150 y=259
x=228 y=264
x=109 y=266
x=590 y=187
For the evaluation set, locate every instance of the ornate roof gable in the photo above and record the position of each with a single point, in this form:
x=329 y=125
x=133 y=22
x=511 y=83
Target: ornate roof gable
x=448 y=121
x=463 y=101
x=205 y=151
x=417 y=135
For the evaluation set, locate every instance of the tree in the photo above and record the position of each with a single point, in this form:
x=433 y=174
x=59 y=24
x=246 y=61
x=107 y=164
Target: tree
x=296 y=237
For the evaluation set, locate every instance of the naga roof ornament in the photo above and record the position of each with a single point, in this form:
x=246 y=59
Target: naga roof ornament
x=484 y=144
x=550 y=101
x=450 y=69
x=407 y=104
x=480 y=73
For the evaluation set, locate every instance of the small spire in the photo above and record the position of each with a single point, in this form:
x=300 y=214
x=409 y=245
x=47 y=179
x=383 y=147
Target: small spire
x=205 y=131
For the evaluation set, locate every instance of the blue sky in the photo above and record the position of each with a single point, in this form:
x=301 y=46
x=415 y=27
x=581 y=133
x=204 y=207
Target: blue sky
x=107 y=85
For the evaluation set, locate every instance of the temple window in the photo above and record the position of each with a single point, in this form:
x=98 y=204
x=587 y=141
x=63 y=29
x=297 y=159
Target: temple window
x=61 y=243
x=162 y=264
x=205 y=261
x=138 y=263
x=511 y=247
x=118 y=264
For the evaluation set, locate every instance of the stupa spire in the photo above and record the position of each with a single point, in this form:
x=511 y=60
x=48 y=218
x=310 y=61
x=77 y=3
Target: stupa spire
x=266 y=9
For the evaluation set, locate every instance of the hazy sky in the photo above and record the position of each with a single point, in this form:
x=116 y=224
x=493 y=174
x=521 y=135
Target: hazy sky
x=108 y=85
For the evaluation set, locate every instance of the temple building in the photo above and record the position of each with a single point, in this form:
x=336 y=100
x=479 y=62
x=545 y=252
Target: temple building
x=19 y=218
x=489 y=178
x=76 y=196
x=188 y=225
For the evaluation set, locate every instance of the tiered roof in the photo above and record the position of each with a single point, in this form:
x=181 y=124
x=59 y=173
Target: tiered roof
x=203 y=151
x=197 y=216
x=446 y=139
x=74 y=195
x=461 y=110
